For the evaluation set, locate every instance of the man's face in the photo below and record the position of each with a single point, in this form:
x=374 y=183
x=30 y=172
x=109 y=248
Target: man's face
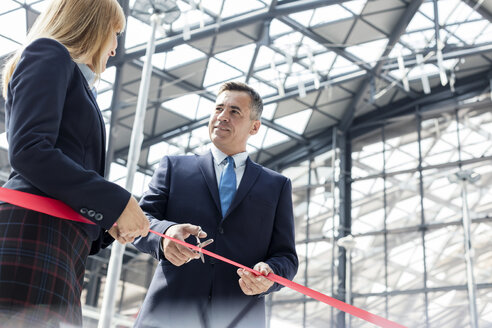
x=230 y=124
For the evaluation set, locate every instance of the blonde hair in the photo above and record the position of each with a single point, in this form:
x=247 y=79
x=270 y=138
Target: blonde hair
x=84 y=27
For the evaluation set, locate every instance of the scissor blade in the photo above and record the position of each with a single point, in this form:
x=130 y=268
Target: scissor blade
x=205 y=243
x=201 y=245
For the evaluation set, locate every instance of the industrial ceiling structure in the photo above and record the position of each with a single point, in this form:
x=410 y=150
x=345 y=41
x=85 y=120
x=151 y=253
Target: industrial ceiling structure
x=331 y=73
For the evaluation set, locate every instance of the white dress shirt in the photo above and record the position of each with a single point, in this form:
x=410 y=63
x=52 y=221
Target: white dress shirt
x=220 y=162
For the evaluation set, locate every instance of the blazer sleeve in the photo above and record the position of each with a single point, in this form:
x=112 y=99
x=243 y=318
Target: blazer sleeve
x=154 y=204
x=38 y=89
x=282 y=256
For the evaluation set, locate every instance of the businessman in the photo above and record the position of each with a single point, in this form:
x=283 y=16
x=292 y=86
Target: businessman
x=223 y=195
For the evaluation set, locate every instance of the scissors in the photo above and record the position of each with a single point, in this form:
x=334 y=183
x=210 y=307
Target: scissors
x=200 y=244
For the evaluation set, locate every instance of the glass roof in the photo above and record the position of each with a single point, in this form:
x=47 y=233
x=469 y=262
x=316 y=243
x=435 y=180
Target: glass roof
x=319 y=66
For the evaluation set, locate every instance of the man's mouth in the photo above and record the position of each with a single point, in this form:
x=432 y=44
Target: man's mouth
x=222 y=128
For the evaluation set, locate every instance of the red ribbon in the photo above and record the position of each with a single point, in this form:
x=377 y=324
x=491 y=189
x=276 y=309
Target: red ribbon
x=59 y=209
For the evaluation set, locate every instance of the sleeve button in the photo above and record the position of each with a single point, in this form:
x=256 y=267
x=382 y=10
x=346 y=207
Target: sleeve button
x=98 y=216
x=91 y=213
x=83 y=210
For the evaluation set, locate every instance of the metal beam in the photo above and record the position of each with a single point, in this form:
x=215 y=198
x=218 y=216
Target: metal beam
x=477 y=6
x=320 y=143
x=341 y=52
x=440 y=98
x=449 y=52
x=231 y=24
x=315 y=146
x=345 y=220
x=398 y=30
x=185 y=128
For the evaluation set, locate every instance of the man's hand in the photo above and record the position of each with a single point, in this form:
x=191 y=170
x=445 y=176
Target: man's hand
x=178 y=254
x=131 y=224
x=254 y=285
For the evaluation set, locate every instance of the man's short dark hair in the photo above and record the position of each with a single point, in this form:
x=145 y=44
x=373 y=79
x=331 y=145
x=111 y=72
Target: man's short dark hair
x=256 y=102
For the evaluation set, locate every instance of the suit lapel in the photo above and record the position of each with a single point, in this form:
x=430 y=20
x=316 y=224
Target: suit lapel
x=206 y=164
x=251 y=173
x=101 y=121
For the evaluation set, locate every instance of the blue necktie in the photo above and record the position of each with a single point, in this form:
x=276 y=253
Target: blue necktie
x=227 y=185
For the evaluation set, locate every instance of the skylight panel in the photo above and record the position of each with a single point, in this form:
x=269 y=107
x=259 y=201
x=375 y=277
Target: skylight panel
x=342 y=66
x=449 y=38
x=303 y=17
x=419 y=22
x=219 y=72
x=157 y=151
x=448 y=11
x=329 y=14
x=269 y=111
x=450 y=64
x=117 y=172
x=262 y=88
x=214 y=89
x=136 y=32
x=205 y=107
x=104 y=99
x=180 y=141
x=269 y=75
x=288 y=42
x=427 y=9
x=300 y=80
x=190 y=17
x=186 y=105
x=234 y=7
x=6 y=5
x=140 y=183
x=370 y=52
x=294 y=68
x=212 y=5
x=296 y=122
x=257 y=139
x=322 y=62
x=469 y=31
x=485 y=36
x=273 y=138
x=277 y=28
x=7 y=46
x=355 y=6
x=455 y=11
x=158 y=60
x=3 y=141
x=199 y=137
x=309 y=45
x=399 y=49
x=419 y=40
x=15 y=23
x=416 y=72
x=240 y=57
x=182 y=55
x=265 y=56
x=469 y=11
x=109 y=74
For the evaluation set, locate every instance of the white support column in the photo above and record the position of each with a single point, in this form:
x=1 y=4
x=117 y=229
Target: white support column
x=118 y=250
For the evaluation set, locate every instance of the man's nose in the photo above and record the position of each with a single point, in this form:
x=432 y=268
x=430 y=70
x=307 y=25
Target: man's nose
x=223 y=116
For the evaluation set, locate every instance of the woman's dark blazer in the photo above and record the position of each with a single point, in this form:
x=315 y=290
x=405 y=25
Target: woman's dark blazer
x=56 y=138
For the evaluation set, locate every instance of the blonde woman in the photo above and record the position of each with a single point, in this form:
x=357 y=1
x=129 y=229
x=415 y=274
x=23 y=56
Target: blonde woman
x=56 y=140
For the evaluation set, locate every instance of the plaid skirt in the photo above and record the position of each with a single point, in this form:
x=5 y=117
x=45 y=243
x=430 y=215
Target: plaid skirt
x=42 y=264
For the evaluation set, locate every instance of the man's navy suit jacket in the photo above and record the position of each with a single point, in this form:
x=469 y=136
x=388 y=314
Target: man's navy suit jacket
x=258 y=226
x=56 y=137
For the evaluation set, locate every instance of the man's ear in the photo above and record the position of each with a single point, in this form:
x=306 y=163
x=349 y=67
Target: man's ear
x=255 y=127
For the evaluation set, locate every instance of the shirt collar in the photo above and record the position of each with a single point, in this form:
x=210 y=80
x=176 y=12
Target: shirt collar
x=219 y=156
x=89 y=75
